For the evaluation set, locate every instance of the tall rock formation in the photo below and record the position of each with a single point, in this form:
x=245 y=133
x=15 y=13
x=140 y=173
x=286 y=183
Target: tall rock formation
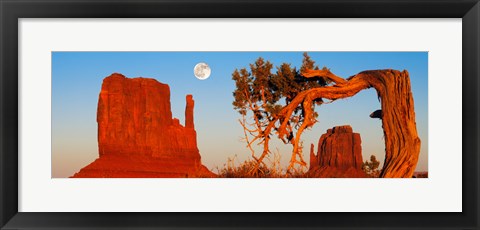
x=189 y=113
x=339 y=154
x=137 y=136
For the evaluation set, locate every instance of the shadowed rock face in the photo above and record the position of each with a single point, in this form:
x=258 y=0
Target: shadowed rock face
x=137 y=136
x=339 y=154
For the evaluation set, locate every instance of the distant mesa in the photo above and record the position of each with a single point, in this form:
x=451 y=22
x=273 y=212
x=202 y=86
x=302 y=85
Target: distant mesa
x=339 y=154
x=137 y=136
x=423 y=174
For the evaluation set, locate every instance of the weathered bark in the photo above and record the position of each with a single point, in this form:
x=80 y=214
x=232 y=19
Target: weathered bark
x=402 y=144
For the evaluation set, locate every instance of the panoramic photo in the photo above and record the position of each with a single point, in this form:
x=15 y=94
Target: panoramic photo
x=240 y=114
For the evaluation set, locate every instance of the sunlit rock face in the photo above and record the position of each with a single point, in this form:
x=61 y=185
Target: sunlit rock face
x=137 y=136
x=339 y=154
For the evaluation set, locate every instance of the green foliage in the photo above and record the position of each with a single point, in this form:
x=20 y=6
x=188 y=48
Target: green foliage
x=371 y=167
x=265 y=93
x=243 y=88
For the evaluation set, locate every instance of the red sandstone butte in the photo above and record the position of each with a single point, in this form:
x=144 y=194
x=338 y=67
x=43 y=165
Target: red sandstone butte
x=339 y=154
x=137 y=136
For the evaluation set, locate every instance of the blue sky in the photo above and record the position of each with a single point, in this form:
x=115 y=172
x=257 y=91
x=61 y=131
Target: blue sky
x=77 y=79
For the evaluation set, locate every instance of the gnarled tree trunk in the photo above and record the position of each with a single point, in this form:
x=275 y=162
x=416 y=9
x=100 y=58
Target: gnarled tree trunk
x=402 y=144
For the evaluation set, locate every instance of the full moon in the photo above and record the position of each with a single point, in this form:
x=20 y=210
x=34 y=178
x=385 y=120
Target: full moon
x=202 y=71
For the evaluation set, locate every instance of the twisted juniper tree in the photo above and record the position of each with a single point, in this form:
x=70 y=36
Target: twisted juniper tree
x=261 y=94
x=283 y=104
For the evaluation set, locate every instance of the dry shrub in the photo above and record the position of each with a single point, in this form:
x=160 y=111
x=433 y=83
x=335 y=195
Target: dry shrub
x=251 y=169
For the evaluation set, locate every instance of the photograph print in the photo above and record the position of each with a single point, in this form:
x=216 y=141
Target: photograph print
x=239 y=114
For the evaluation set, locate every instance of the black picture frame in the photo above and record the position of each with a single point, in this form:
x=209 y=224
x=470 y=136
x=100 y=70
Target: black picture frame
x=11 y=11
